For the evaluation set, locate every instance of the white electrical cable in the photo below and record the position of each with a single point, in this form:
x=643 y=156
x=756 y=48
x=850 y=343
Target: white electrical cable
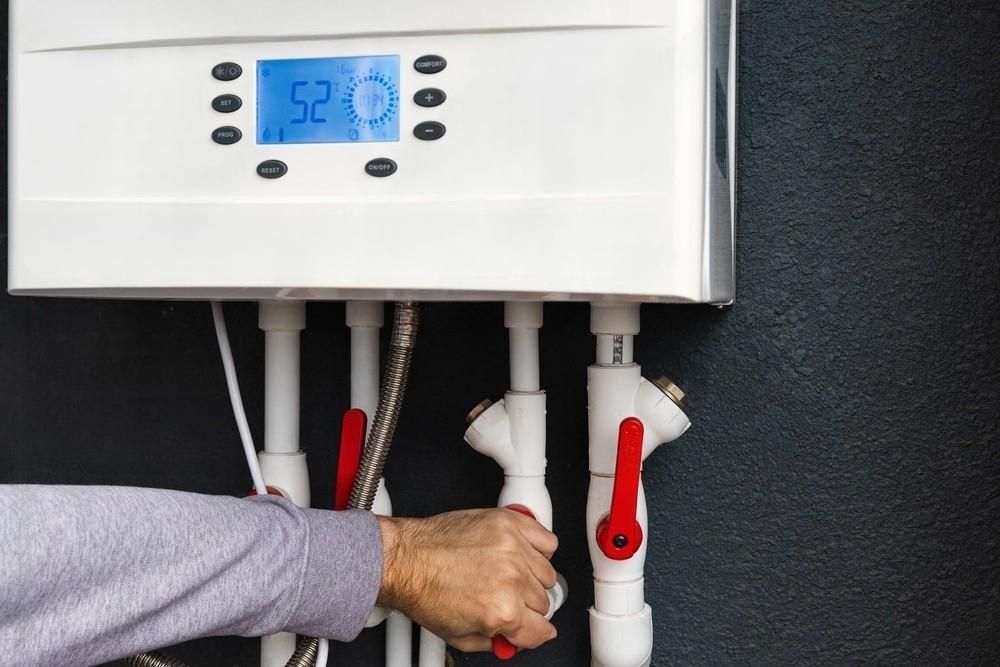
x=322 y=653
x=237 y=399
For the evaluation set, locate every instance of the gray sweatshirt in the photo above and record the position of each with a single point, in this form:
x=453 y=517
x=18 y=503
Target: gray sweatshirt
x=91 y=574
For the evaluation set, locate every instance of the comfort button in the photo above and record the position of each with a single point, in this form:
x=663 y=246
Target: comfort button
x=381 y=167
x=430 y=97
x=429 y=131
x=227 y=103
x=430 y=64
x=227 y=135
x=272 y=169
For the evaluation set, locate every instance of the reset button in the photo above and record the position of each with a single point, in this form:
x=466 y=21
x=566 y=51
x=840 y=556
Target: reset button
x=272 y=169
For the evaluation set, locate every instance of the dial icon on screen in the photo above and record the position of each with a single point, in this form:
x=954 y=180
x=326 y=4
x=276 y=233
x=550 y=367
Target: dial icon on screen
x=371 y=99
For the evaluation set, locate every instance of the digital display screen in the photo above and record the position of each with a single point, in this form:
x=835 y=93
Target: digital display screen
x=328 y=100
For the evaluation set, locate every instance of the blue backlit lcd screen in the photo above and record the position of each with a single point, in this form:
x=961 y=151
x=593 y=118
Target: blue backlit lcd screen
x=328 y=100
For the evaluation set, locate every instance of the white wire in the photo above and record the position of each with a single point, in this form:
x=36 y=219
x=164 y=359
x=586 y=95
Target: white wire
x=323 y=653
x=237 y=399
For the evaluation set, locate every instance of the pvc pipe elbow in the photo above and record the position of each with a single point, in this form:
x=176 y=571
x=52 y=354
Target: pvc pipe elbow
x=621 y=641
x=662 y=417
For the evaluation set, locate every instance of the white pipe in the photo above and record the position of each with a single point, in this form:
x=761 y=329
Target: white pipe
x=366 y=319
x=236 y=399
x=524 y=319
x=615 y=349
x=282 y=323
x=323 y=654
x=524 y=372
x=282 y=462
x=398 y=641
x=433 y=649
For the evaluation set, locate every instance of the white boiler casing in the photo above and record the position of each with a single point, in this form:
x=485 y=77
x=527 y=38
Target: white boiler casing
x=589 y=152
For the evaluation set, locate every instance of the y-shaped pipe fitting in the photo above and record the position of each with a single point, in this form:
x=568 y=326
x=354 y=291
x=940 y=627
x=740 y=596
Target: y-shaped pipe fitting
x=621 y=623
x=512 y=433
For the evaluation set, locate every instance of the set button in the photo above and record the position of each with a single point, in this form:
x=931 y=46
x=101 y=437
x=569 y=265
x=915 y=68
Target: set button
x=430 y=97
x=227 y=71
x=227 y=103
x=430 y=64
x=227 y=136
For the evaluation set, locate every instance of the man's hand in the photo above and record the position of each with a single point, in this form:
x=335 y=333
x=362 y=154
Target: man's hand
x=469 y=576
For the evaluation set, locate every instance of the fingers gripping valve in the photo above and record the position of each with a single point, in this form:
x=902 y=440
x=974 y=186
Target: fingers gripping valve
x=512 y=433
x=629 y=417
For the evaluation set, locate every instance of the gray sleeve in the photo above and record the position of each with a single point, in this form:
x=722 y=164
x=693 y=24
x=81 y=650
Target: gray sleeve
x=91 y=574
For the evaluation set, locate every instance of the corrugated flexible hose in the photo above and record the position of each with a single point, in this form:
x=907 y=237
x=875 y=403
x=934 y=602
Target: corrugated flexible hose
x=397 y=373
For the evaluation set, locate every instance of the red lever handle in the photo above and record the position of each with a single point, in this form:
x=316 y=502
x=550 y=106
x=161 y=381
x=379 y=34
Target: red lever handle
x=352 y=442
x=502 y=648
x=619 y=534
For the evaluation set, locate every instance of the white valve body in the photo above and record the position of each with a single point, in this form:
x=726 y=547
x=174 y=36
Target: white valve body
x=621 y=623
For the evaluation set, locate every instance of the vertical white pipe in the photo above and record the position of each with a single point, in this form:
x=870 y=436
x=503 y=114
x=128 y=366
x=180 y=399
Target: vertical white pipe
x=366 y=319
x=281 y=392
x=615 y=350
x=282 y=323
x=433 y=649
x=524 y=373
x=399 y=641
x=283 y=463
x=365 y=369
x=524 y=319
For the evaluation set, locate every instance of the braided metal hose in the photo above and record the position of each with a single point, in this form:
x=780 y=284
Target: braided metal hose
x=305 y=654
x=153 y=660
x=397 y=372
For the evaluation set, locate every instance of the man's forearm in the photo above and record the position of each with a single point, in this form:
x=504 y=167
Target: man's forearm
x=88 y=574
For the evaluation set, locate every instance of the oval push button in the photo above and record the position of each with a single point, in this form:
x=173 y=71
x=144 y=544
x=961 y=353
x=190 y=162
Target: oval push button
x=429 y=131
x=227 y=135
x=430 y=64
x=227 y=103
x=227 y=71
x=272 y=169
x=430 y=97
x=381 y=167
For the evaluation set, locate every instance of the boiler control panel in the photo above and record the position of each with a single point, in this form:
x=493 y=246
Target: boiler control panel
x=443 y=150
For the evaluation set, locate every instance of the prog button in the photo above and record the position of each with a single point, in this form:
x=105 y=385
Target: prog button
x=227 y=135
x=381 y=167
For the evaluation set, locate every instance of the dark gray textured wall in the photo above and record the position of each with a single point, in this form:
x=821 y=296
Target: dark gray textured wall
x=837 y=500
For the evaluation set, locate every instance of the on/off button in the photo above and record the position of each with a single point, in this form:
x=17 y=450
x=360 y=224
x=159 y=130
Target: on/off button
x=381 y=167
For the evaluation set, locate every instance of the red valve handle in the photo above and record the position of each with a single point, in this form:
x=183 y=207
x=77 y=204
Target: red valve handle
x=619 y=534
x=352 y=442
x=502 y=648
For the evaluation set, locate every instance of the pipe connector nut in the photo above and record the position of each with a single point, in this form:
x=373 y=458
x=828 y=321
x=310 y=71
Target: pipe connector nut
x=672 y=391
